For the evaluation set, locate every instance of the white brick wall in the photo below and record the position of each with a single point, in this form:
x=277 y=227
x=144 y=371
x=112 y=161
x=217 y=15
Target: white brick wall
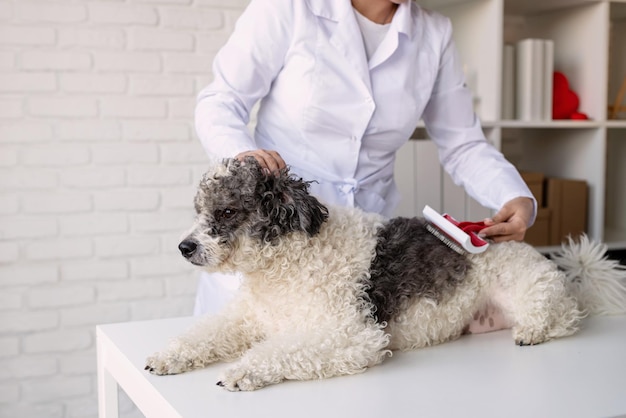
x=98 y=167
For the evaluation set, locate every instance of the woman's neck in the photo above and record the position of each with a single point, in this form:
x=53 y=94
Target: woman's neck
x=378 y=11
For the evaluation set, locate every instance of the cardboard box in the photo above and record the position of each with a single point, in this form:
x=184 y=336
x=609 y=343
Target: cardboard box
x=535 y=182
x=539 y=234
x=567 y=201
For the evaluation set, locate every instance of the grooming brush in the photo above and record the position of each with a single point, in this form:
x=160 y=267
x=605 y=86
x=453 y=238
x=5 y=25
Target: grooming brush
x=459 y=236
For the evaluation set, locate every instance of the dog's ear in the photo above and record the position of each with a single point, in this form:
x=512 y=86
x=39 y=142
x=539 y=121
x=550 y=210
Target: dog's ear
x=287 y=206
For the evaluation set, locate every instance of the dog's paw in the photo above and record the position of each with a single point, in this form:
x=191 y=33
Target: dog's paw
x=241 y=379
x=528 y=337
x=166 y=363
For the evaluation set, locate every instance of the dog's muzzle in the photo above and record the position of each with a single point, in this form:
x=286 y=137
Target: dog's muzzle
x=188 y=248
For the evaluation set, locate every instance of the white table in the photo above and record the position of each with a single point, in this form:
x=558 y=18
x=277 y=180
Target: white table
x=479 y=375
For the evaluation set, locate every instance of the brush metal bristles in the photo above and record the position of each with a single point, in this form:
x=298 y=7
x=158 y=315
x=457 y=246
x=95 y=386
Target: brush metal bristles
x=444 y=238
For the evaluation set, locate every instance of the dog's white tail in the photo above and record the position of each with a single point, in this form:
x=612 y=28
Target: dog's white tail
x=597 y=282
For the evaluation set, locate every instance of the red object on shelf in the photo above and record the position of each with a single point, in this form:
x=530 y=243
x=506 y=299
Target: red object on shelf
x=565 y=101
x=579 y=116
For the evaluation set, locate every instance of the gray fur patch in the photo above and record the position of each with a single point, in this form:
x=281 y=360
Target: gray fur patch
x=411 y=262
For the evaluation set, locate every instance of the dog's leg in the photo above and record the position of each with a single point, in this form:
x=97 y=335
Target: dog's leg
x=530 y=291
x=540 y=307
x=305 y=357
x=210 y=340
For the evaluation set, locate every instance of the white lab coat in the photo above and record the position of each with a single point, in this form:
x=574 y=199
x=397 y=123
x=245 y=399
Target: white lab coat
x=336 y=117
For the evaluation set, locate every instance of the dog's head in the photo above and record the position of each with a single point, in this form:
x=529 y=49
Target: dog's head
x=238 y=205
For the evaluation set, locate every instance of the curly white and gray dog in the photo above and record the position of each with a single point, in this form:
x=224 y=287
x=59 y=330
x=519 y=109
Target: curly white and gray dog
x=332 y=291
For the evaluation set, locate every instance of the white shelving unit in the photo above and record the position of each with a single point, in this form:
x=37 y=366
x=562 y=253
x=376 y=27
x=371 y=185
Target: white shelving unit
x=590 y=48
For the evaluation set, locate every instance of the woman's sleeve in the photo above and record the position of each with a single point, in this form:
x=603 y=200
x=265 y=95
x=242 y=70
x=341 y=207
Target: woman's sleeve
x=243 y=72
x=464 y=152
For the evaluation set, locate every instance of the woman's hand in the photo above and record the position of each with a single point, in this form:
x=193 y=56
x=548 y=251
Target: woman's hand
x=511 y=222
x=270 y=160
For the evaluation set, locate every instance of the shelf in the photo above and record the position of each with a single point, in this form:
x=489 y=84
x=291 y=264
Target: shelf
x=589 y=49
x=440 y=4
x=616 y=124
x=552 y=124
x=526 y=8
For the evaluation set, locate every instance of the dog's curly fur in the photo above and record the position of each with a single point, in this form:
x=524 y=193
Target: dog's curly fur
x=333 y=291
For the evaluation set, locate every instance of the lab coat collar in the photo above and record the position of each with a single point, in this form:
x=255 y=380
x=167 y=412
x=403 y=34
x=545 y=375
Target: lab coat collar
x=402 y=24
x=346 y=35
x=409 y=20
x=339 y=10
x=334 y=10
x=406 y=22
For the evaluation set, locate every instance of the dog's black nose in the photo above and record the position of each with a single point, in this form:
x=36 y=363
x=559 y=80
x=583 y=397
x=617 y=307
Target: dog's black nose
x=187 y=248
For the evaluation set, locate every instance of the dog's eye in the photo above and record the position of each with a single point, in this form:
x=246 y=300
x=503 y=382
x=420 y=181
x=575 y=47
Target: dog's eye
x=227 y=213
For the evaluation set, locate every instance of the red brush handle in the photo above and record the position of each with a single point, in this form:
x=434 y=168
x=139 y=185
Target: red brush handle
x=470 y=228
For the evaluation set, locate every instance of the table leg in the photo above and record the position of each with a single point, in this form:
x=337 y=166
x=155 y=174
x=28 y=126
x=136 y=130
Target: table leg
x=107 y=387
